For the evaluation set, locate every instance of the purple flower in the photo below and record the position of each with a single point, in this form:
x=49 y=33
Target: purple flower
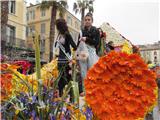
x=44 y=89
x=33 y=113
x=63 y=109
x=88 y=113
x=34 y=99
x=67 y=114
x=54 y=103
x=52 y=117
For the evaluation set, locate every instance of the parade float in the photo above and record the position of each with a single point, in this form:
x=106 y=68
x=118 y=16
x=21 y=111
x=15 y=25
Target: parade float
x=118 y=87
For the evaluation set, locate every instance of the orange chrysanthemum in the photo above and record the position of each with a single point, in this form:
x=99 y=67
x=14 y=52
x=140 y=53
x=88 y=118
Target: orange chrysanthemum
x=120 y=87
x=6 y=82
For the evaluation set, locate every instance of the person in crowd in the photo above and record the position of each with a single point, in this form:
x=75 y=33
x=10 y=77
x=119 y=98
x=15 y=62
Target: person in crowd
x=89 y=37
x=101 y=48
x=63 y=52
x=109 y=46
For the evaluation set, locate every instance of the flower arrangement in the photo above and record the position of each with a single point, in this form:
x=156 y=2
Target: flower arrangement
x=6 y=84
x=25 y=65
x=34 y=97
x=21 y=82
x=120 y=87
x=19 y=96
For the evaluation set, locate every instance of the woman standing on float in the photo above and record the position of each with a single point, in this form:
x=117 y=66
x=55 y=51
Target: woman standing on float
x=63 y=52
x=90 y=36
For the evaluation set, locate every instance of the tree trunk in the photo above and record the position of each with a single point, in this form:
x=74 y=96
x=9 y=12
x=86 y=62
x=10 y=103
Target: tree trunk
x=82 y=17
x=52 y=30
x=4 y=20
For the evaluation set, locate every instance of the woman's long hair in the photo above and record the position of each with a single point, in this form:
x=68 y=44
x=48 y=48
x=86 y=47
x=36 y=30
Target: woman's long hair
x=61 y=26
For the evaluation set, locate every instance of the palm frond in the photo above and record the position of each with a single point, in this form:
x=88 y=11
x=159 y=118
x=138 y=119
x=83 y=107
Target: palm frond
x=91 y=1
x=61 y=12
x=91 y=9
x=81 y=4
x=63 y=3
x=76 y=11
x=45 y=5
x=61 y=6
x=75 y=6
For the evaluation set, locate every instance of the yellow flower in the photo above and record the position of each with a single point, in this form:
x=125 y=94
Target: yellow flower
x=48 y=72
x=127 y=47
x=17 y=111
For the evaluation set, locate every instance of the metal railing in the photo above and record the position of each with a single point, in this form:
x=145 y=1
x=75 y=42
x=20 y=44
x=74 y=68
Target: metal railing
x=13 y=41
x=13 y=47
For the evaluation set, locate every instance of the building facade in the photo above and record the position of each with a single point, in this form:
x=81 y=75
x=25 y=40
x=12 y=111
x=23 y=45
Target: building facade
x=151 y=52
x=17 y=20
x=39 y=20
x=112 y=34
x=16 y=28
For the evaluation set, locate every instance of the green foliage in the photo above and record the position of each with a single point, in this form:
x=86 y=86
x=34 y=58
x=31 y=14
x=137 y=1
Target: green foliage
x=79 y=6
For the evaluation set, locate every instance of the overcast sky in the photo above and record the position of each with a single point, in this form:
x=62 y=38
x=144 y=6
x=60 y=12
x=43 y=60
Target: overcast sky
x=137 y=20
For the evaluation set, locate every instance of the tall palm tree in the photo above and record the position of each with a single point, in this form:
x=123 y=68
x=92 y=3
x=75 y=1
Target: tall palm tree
x=81 y=6
x=4 y=20
x=57 y=5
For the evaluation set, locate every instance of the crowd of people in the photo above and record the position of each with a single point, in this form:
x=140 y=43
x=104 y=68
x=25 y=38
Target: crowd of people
x=90 y=46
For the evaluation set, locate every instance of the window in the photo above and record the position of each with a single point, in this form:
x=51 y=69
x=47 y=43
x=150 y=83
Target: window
x=31 y=29
x=27 y=16
x=76 y=25
x=43 y=13
x=26 y=31
x=43 y=25
x=32 y=15
x=155 y=53
x=69 y=20
x=12 y=7
x=11 y=31
x=42 y=45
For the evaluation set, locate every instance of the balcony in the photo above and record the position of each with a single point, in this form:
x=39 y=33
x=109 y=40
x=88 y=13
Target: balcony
x=12 y=41
x=13 y=47
x=16 y=49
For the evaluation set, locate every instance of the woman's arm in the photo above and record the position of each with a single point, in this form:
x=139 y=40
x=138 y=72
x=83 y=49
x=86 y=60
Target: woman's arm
x=72 y=43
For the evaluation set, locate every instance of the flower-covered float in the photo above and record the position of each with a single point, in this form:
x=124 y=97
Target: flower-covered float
x=118 y=87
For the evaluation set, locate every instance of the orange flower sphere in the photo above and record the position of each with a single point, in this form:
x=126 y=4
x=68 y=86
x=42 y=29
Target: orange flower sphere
x=120 y=87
